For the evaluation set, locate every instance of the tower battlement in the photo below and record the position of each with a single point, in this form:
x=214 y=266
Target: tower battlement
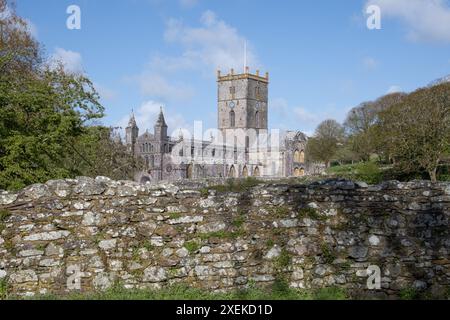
x=240 y=76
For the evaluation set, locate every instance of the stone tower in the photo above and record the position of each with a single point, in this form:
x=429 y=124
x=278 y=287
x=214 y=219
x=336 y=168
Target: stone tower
x=242 y=101
x=131 y=134
x=161 y=127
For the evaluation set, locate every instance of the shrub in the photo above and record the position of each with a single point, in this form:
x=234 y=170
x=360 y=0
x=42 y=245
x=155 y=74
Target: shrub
x=369 y=172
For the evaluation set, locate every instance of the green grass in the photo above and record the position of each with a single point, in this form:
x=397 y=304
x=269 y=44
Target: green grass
x=368 y=172
x=174 y=215
x=278 y=291
x=409 y=294
x=283 y=260
x=328 y=254
x=192 y=246
x=223 y=234
x=310 y=213
x=3 y=289
x=4 y=214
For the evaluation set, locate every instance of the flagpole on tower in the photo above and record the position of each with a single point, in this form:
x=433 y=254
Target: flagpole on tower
x=245 y=56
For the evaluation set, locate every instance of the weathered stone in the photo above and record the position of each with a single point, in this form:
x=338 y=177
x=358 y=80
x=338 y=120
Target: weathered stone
x=186 y=219
x=212 y=227
x=7 y=198
x=273 y=253
x=374 y=240
x=154 y=274
x=358 y=252
x=166 y=231
x=108 y=244
x=150 y=236
x=23 y=276
x=47 y=236
x=102 y=281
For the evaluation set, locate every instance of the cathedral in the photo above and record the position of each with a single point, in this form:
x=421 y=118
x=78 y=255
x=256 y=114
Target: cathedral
x=241 y=146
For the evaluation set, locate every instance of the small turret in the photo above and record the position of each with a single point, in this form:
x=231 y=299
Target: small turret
x=131 y=133
x=161 y=127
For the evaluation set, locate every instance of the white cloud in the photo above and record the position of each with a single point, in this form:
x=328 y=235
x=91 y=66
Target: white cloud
x=147 y=114
x=104 y=92
x=204 y=49
x=370 y=63
x=71 y=60
x=426 y=20
x=304 y=116
x=156 y=85
x=394 y=89
x=213 y=45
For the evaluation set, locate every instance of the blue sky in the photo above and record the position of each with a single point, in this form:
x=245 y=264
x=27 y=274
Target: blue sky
x=321 y=56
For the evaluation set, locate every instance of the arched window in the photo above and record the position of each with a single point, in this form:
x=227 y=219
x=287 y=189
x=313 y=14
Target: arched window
x=232 y=172
x=245 y=172
x=213 y=153
x=302 y=157
x=297 y=156
x=152 y=161
x=256 y=172
x=181 y=152
x=299 y=172
x=146 y=161
x=232 y=119
x=189 y=169
x=257 y=122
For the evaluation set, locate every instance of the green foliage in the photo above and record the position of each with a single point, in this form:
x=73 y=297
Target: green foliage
x=283 y=260
x=281 y=212
x=328 y=253
x=4 y=289
x=204 y=192
x=330 y=293
x=174 y=215
x=4 y=214
x=192 y=246
x=368 y=172
x=324 y=145
x=311 y=213
x=416 y=140
x=409 y=294
x=47 y=118
x=239 y=221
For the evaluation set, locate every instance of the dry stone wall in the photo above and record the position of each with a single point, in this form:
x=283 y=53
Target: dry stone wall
x=88 y=234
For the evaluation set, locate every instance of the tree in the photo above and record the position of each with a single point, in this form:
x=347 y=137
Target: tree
x=100 y=153
x=416 y=132
x=323 y=146
x=359 y=125
x=43 y=111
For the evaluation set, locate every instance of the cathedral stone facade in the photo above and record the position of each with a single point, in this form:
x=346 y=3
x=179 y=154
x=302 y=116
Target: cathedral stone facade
x=242 y=145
